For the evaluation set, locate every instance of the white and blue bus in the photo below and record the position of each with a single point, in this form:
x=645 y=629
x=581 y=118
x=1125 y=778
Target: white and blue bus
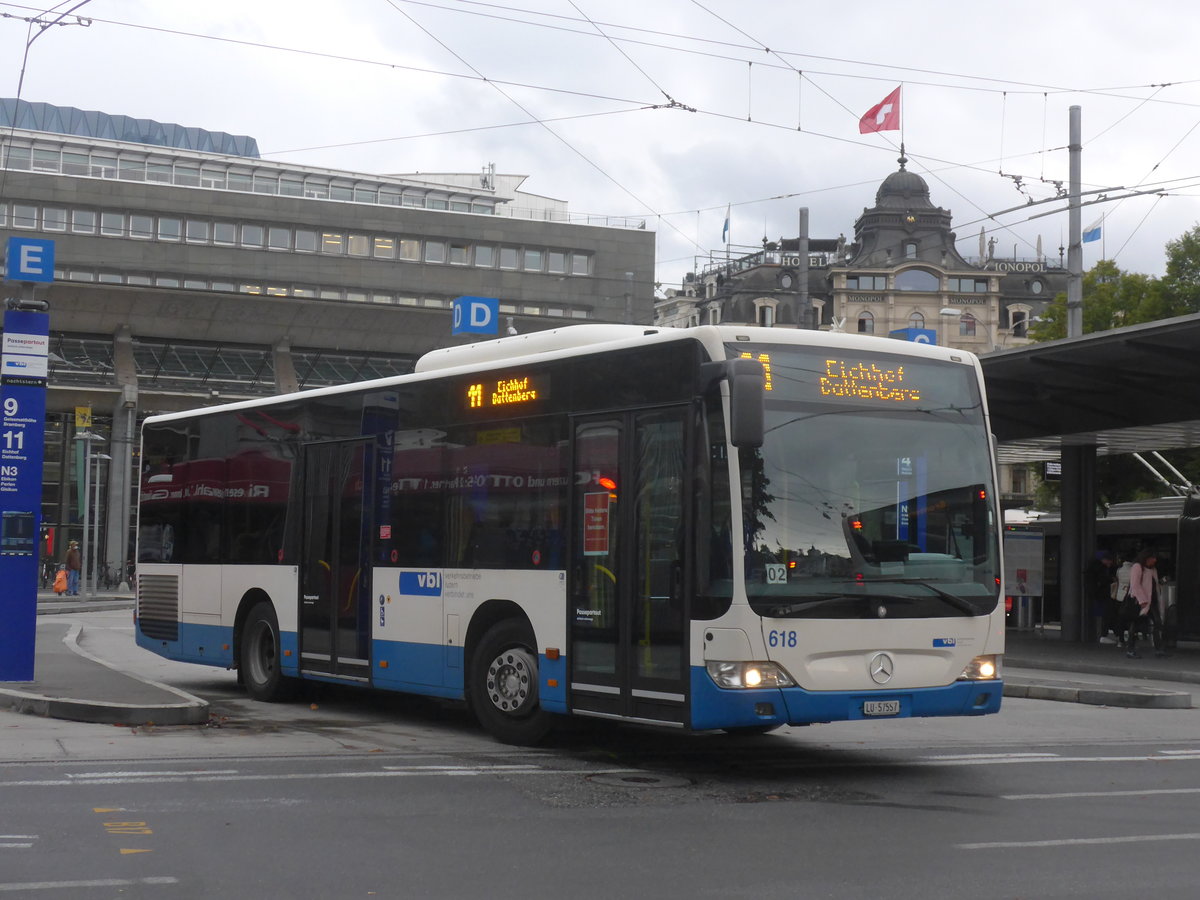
x=728 y=528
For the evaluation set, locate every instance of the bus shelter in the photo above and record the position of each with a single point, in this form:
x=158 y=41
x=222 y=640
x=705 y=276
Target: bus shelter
x=1134 y=389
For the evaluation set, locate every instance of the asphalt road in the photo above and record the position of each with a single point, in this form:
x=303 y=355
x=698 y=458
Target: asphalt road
x=351 y=795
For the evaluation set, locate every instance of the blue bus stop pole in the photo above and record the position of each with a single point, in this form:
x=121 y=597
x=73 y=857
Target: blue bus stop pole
x=23 y=372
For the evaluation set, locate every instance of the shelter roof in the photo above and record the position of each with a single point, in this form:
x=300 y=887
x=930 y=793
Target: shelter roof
x=1126 y=390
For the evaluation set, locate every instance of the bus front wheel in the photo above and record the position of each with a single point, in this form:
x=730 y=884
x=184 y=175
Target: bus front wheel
x=259 y=656
x=504 y=685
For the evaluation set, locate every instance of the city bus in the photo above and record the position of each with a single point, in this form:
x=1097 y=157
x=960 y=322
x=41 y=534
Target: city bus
x=715 y=528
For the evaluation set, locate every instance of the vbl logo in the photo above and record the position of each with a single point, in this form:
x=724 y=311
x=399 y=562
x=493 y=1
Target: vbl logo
x=425 y=584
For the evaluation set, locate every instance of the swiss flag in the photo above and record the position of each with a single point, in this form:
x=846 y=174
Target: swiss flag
x=883 y=116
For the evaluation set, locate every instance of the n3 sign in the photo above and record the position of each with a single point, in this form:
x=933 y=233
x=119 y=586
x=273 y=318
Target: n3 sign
x=476 y=315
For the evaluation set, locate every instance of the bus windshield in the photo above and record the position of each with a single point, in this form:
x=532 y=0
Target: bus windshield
x=871 y=496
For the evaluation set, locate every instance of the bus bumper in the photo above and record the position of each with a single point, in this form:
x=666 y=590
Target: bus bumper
x=715 y=707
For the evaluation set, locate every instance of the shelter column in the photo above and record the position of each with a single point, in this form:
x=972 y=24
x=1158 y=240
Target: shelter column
x=1078 y=540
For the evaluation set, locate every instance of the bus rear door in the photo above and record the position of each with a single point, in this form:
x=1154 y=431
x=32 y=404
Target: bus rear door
x=335 y=607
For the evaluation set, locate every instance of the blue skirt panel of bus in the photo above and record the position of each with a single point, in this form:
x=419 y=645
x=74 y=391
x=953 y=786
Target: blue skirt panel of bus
x=210 y=645
x=714 y=707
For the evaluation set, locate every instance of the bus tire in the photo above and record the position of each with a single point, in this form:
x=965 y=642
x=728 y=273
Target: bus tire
x=503 y=687
x=259 y=656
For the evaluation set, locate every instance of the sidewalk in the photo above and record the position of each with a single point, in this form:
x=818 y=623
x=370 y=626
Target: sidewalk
x=70 y=683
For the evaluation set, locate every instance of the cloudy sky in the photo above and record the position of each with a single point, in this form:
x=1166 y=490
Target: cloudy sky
x=672 y=110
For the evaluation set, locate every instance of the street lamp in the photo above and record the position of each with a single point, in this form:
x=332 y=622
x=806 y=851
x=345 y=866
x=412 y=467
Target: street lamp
x=88 y=439
x=93 y=582
x=946 y=312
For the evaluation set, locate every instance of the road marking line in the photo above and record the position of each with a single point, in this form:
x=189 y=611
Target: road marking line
x=1074 y=795
x=18 y=837
x=1072 y=842
x=1034 y=760
x=98 y=882
x=139 y=774
x=16 y=846
x=313 y=776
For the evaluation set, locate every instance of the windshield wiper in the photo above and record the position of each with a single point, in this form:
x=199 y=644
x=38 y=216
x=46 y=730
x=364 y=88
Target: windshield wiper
x=953 y=599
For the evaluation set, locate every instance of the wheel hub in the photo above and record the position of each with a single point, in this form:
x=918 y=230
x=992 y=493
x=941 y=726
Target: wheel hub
x=510 y=680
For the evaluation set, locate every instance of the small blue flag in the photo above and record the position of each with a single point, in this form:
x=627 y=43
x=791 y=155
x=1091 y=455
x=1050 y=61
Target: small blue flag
x=1092 y=232
x=725 y=230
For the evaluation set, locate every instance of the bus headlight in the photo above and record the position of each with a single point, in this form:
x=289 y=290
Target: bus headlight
x=982 y=668
x=749 y=675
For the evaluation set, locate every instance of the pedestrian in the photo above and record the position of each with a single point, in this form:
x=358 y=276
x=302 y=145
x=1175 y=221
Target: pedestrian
x=1100 y=579
x=1123 y=573
x=1143 y=588
x=60 y=580
x=74 y=563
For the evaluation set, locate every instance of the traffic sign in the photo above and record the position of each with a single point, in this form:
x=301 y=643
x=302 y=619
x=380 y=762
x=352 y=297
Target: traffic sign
x=476 y=315
x=29 y=259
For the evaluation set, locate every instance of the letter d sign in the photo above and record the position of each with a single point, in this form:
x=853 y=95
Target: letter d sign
x=476 y=315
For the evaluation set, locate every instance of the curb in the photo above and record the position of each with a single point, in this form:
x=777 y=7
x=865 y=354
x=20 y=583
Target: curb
x=192 y=711
x=1066 y=692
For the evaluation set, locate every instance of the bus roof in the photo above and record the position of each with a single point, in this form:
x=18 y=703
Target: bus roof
x=571 y=340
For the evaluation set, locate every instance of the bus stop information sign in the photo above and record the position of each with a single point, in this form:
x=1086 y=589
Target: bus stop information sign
x=23 y=372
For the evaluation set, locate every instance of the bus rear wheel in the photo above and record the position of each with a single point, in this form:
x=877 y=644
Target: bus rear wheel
x=503 y=687
x=259 y=656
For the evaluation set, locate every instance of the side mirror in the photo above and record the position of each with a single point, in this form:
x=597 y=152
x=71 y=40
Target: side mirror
x=747 y=386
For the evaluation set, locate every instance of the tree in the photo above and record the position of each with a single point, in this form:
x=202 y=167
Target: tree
x=1182 y=281
x=1111 y=298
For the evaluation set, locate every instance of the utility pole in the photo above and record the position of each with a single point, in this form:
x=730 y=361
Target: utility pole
x=1074 y=229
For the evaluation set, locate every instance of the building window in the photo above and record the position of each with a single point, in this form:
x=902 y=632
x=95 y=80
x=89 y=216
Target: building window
x=435 y=251
x=917 y=280
x=1020 y=322
x=54 y=219
x=910 y=250
x=966 y=325
x=170 y=229
x=460 y=254
x=253 y=235
x=410 y=250
x=1020 y=480
x=306 y=241
x=279 y=238
x=508 y=257
x=141 y=227
x=968 y=285
x=485 y=255
x=866 y=323
x=24 y=216
x=916 y=320
x=225 y=233
x=384 y=248
x=111 y=224
x=766 y=316
x=533 y=261
x=556 y=262
x=333 y=242
x=580 y=264
x=866 y=283
x=83 y=221
x=197 y=231
x=358 y=245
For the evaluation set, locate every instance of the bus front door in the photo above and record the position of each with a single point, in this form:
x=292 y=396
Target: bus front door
x=627 y=613
x=335 y=608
